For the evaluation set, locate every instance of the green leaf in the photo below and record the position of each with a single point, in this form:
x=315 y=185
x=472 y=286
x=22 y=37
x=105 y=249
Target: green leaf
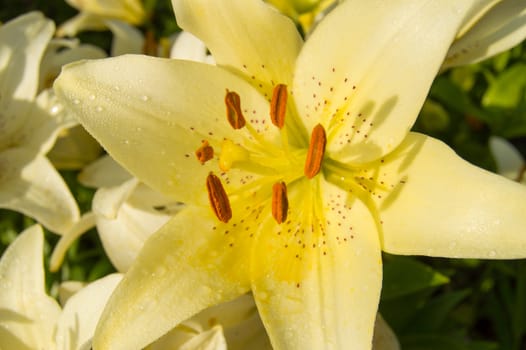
x=405 y=275
x=507 y=90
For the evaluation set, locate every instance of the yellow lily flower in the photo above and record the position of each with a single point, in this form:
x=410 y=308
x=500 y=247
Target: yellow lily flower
x=94 y=14
x=304 y=12
x=296 y=206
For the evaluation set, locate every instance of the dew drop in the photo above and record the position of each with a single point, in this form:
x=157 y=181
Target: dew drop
x=91 y=97
x=492 y=253
x=76 y=101
x=99 y=109
x=144 y=98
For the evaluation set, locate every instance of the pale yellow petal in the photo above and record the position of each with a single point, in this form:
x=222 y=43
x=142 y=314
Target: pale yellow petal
x=27 y=314
x=443 y=206
x=76 y=324
x=81 y=22
x=131 y=11
x=104 y=172
x=61 y=51
x=22 y=44
x=247 y=36
x=384 y=337
x=501 y=28
x=317 y=277
x=31 y=185
x=124 y=235
x=510 y=162
x=152 y=114
x=188 y=47
x=74 y=149
x=367 y=67
x=183 y=268
x=84 y=224
x=126 y=38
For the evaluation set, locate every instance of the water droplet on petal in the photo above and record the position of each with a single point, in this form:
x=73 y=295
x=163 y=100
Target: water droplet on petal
x=91 y=97
x=144 y=98
x=99 y=109
x=76 y=101
x=492 y=254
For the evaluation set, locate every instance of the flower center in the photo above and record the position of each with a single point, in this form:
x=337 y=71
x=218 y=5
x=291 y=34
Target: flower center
x=278 y=166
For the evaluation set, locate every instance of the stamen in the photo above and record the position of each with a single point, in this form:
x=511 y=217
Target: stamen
x=280 y=202
x=278 y=105
x=233 y=110
x=218 y=198
x=205 y=152
x=316 y=151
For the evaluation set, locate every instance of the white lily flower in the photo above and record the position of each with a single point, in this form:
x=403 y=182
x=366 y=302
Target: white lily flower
x=29 y=125
x=495 y=28
x=30 y=319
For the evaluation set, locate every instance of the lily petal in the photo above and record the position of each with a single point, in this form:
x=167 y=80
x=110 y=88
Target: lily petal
x=30 y=184
x=364 y=89
x=501 y=28
x=510 y=162
x=76 y=324
x=442 y=206
x=130 y=11
x=27 y=313
x=183 y=268
x=127 y=103
x=244 y=43
x=85 y=223
x=104 y=172
x=126 y=38
x=82 y=21
x=23 y=41
x=317 y=284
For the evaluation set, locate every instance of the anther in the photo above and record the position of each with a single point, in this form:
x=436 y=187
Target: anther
x=205 y=152
x=233 y=110
x=278 y=105
x=218 y=198
x=316 y=151
x=280 y=202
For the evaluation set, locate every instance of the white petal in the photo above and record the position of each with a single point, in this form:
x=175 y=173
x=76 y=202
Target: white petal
x=27 y=314
x=22 y=44
x=188 y=47
x=31 y=185
x=104 y=172
x=510 y=162
x=76 y=324
x=84 y=224
x=126 y=38
x=501 y=28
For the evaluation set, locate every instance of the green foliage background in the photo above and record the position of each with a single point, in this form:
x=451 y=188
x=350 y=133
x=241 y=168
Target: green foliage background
x=431 y=303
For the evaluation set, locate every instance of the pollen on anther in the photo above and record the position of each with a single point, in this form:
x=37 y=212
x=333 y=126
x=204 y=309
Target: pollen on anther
x=316 y=151
x=205 y=152
x=278 y=105
x=218 y=198
x=234 y=114
x=280 y=202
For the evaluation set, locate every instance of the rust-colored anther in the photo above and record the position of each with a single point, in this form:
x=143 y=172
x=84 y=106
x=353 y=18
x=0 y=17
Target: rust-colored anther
x=280 y=202
x=218 y=198
x=318 y=140
x=278 y=105
x=205 y=152
x=234 y=115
